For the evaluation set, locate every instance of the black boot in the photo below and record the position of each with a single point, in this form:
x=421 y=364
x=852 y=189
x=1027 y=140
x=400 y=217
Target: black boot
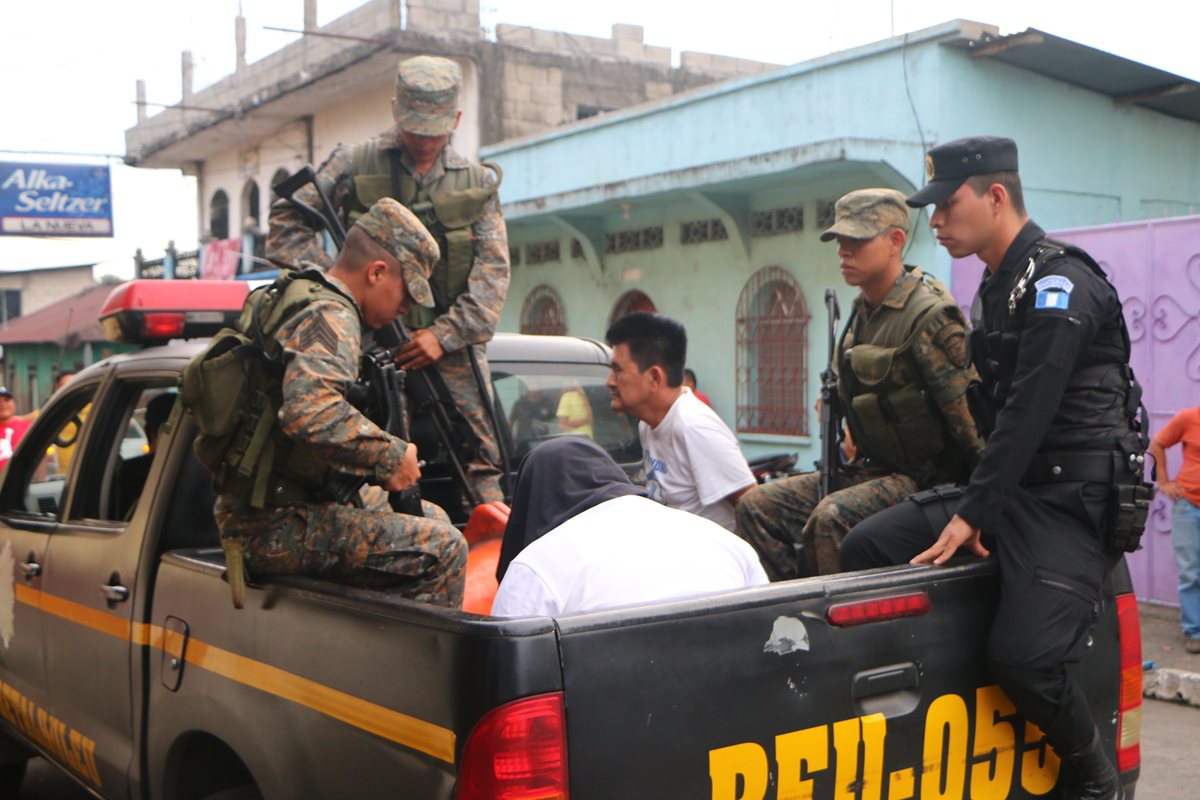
x=1089 y=775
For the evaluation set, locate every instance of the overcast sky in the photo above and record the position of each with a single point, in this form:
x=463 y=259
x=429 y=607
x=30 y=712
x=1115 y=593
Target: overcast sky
x=69 y=70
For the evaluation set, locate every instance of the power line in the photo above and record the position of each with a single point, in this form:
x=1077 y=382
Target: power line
x=119 y=156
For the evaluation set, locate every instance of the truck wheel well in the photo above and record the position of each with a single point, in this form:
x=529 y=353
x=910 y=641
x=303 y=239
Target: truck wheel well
x=206 y=767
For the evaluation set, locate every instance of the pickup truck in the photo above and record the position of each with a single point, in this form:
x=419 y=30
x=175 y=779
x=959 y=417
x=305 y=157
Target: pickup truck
x=123 y=661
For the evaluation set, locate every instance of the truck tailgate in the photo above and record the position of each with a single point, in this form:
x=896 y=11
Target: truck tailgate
x=762 y=697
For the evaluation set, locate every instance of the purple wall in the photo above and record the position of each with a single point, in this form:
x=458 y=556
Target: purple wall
x=1156 y=268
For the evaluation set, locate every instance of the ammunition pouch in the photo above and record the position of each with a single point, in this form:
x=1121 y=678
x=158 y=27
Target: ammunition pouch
x=1128 y=510
x=893 y=416
x=448 y=208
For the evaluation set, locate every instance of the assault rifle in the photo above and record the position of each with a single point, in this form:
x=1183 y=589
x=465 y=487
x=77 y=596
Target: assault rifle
x=429 y=393
x=831 y=418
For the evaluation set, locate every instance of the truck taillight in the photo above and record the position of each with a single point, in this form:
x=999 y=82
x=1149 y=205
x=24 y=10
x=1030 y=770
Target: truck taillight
x=878 y=609
x=1129 y=731
x=517 y=752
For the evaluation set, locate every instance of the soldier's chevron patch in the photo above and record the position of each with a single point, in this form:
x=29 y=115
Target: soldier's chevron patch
x=318 y=332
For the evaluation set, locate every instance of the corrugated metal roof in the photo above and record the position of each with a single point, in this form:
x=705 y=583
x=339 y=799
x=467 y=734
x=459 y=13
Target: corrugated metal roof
x=1127 y=82
x=75 y=319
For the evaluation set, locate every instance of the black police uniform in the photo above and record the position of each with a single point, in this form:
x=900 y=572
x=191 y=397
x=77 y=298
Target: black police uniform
x=1057 y=386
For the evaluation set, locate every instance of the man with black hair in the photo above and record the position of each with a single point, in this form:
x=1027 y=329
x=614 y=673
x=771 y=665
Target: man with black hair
x=691 y=458
x=1057 y=491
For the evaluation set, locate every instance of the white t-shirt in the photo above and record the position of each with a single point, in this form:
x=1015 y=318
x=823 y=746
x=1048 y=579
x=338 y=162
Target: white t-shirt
x=693 y=461
x=625 y=551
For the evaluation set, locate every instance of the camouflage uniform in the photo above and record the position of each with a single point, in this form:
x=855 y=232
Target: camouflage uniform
x=775 y=516
x=472 y=316
x=422 y=558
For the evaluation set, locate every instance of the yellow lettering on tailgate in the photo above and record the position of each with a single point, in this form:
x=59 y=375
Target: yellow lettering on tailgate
x=846 y=737
x=799 y=754
x=1039 y=764
x=874 y=733
x=900 y=784
x=747 y=762
x=944 y=776
x=995 y=745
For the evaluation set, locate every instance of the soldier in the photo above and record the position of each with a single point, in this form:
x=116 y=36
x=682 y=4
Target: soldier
x=290 y=526
x=1057 y=490
x=458 y=202
x=902 y=381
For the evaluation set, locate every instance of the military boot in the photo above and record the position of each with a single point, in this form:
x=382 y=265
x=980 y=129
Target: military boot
x=1089 y=775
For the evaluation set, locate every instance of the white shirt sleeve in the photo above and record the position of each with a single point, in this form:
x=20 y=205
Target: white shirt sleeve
x=523 y=593
x=717 y=464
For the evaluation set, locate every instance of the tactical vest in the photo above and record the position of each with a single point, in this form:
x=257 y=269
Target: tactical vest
x=890 y=417
x=1101 y=391
x=448 y=208
x=234 y=389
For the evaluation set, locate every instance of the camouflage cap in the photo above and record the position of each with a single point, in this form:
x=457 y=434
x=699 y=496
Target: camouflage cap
x=427 y=95
x=399 y=232
x=866 y=213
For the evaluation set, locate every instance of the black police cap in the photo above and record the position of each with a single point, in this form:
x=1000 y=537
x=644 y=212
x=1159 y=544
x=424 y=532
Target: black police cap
x=948 y=165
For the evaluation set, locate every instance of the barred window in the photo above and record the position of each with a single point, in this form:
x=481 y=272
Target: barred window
x=543 y=312
x=631 y=240
x=542 y=252
x=777 y=221
x=826 y=213
x=702 y=230
x=772 y=355
x=631 y=301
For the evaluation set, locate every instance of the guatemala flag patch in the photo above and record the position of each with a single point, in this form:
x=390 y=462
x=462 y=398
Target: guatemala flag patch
x=1053 y=291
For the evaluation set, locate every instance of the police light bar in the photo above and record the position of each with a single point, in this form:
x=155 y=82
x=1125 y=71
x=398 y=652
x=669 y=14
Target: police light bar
x=151 y=311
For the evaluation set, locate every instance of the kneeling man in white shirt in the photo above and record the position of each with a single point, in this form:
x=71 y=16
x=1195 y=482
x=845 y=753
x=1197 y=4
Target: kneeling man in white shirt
x=582 y=537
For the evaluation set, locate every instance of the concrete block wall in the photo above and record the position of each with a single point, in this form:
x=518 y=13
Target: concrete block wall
x=626 y=43
x=441 y=15
x=713 y=64
x=533 y=97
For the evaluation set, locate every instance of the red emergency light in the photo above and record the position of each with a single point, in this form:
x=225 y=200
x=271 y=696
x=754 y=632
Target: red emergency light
x=151 y=311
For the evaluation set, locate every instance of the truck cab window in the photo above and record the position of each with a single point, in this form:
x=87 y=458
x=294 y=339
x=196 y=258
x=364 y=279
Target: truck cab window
x=120 y=455
x=37 y=476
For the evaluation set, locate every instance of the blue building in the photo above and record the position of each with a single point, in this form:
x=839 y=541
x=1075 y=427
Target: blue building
x=707 y=205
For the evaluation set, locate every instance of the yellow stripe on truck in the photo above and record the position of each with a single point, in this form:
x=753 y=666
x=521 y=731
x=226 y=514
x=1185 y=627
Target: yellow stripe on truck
x=394 y=726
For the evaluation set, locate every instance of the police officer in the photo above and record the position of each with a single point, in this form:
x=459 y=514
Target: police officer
x=1058 y=404
x=276 y=509
x=902 y=380
x=457 y=201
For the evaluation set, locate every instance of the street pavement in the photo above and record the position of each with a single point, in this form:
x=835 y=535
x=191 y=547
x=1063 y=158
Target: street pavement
x=1171 y=673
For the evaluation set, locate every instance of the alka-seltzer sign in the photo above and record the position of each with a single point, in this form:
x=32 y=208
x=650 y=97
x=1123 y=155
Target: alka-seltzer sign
x=55 y=200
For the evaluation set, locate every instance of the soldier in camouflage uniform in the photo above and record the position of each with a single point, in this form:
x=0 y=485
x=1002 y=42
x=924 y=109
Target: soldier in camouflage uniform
x=458 y=202
x=386 y=261
x=902 y=380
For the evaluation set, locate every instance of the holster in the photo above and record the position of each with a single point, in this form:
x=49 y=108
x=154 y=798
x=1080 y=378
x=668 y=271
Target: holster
x=1129 y=508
